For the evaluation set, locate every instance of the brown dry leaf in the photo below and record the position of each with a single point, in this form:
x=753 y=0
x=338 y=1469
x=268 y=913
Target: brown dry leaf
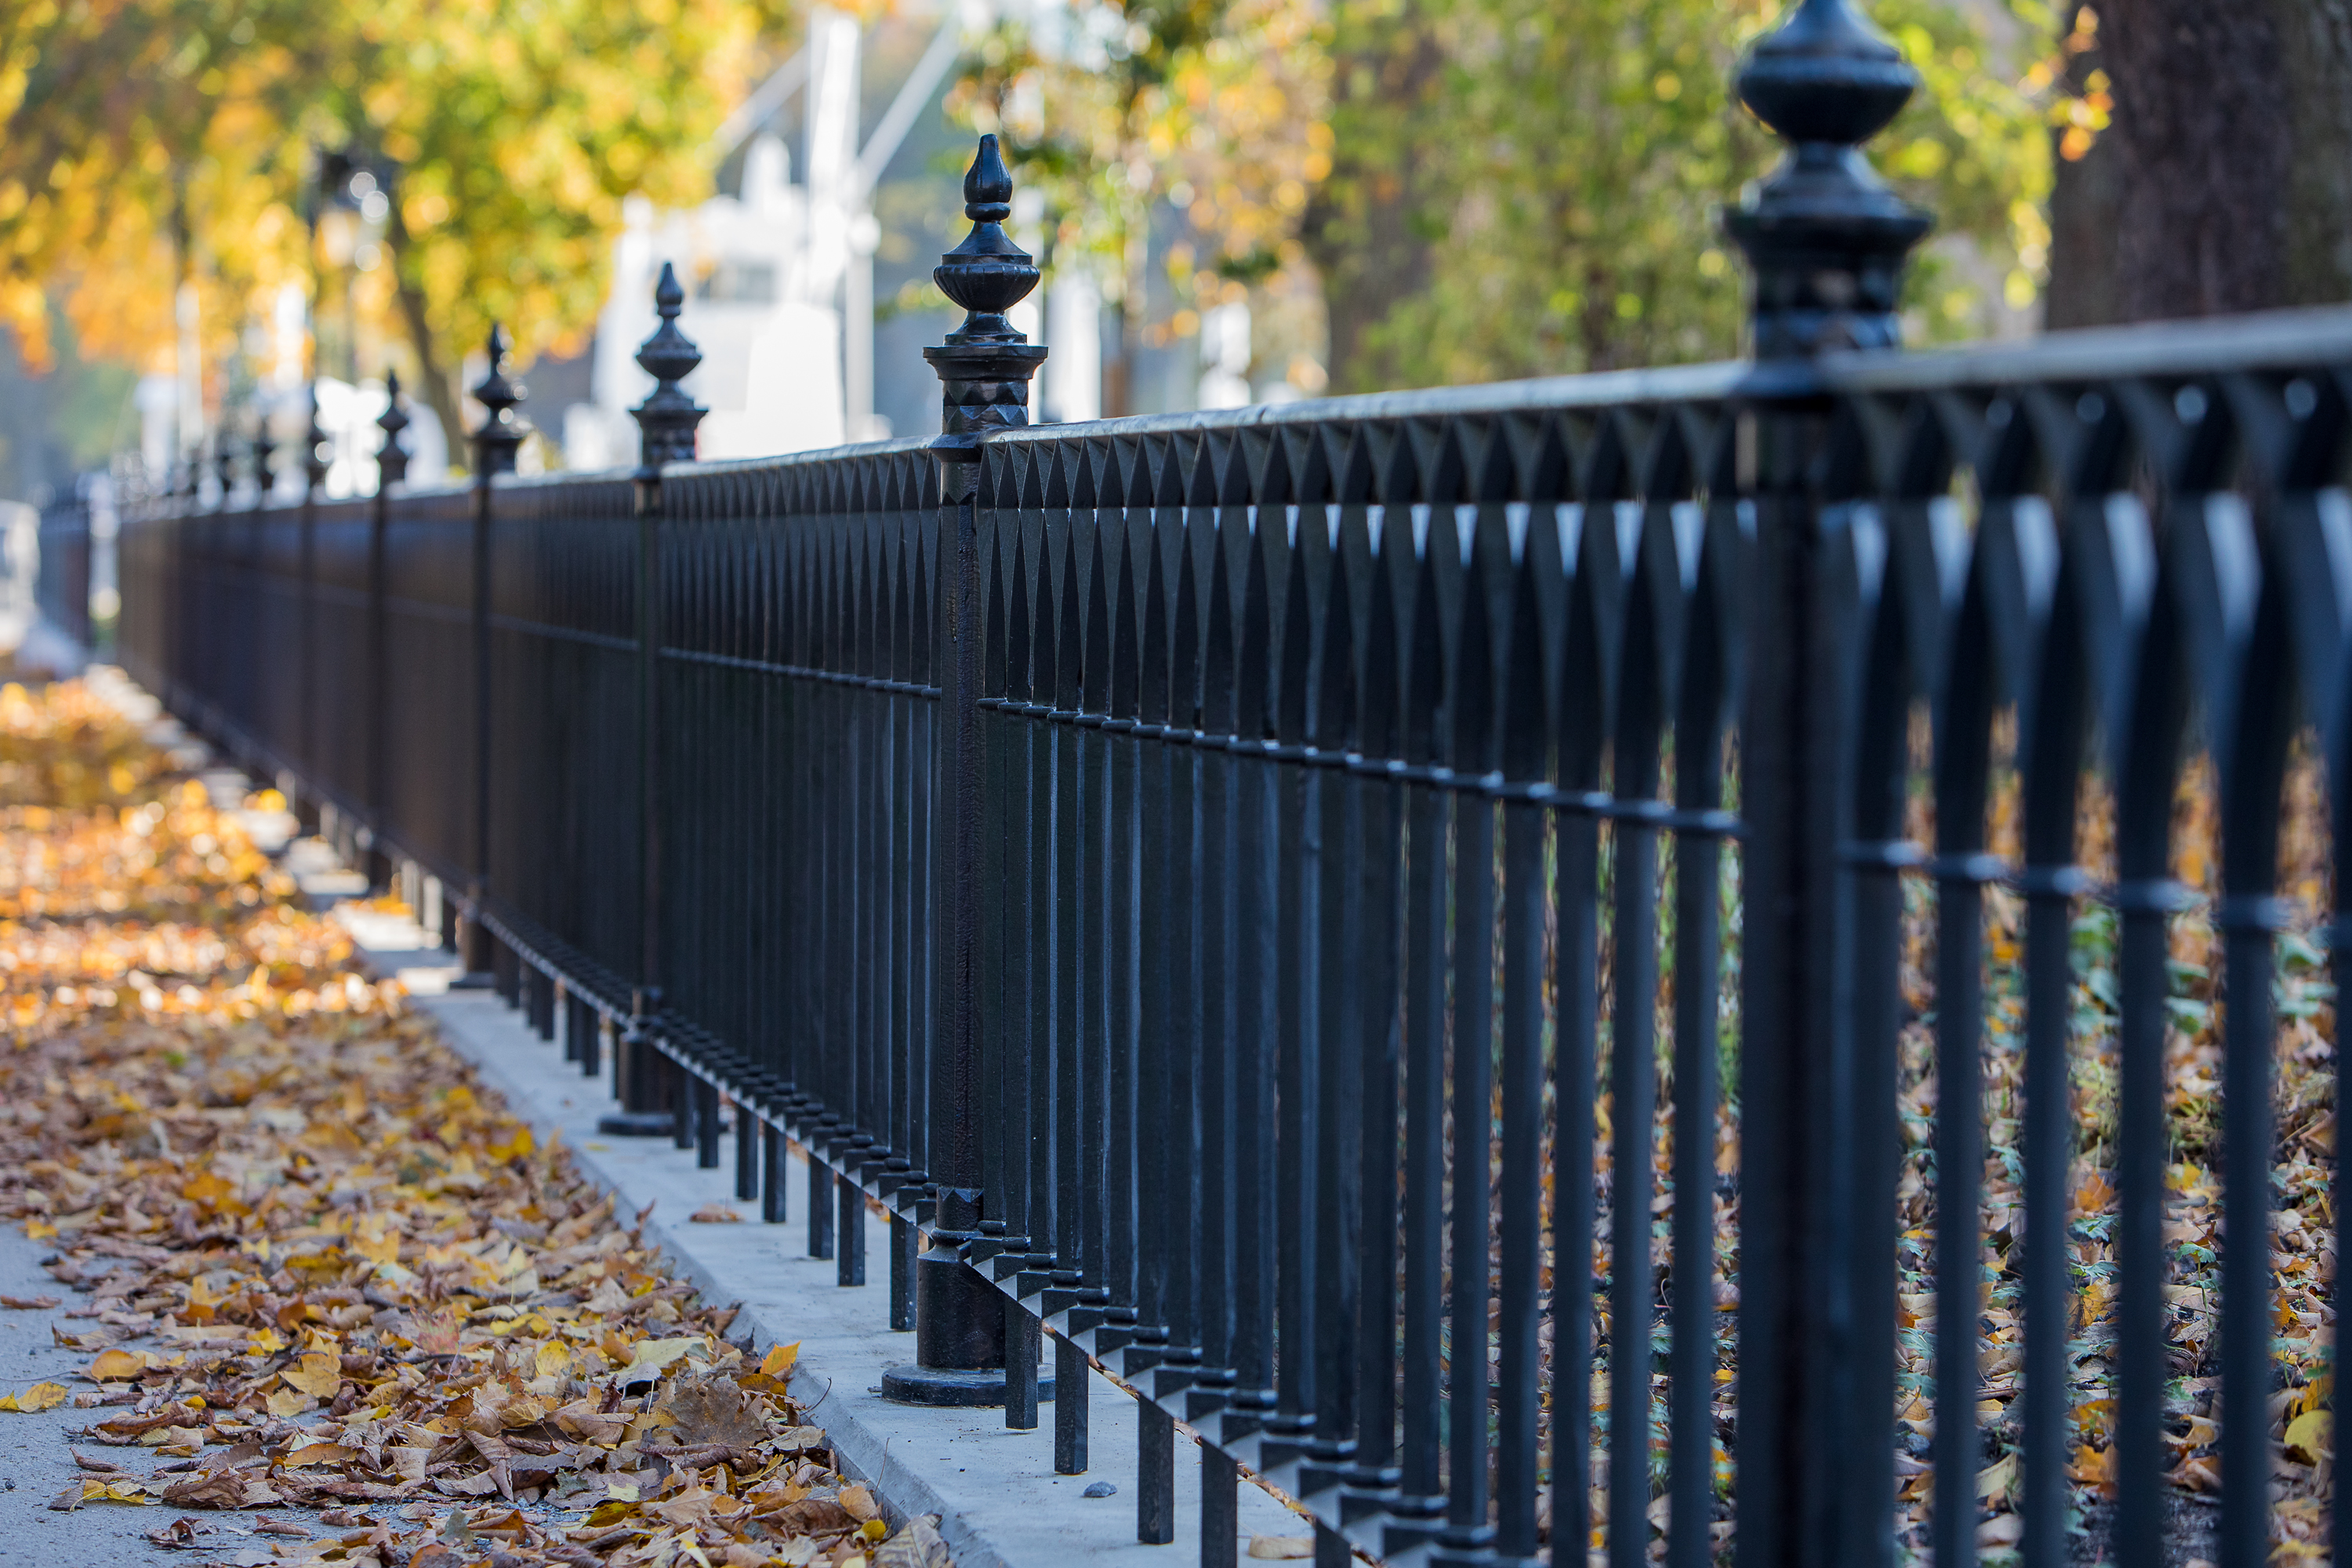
x=1282 y=1547
x=441 y=1310
x=30 y=1303
x=714 y=1213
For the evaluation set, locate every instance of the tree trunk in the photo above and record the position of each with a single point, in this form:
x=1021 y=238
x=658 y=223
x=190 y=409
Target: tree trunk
x=2225 y=182
x=1364 y=226
x=438 y=385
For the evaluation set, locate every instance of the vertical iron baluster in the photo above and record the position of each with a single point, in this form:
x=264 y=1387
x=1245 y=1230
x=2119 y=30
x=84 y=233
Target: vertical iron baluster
x=1698 y=847
x=1123 y=991
x=1424 y=1497
x=1156 y=920
x=2146 y=899
x=1299 y=843
x=1470 y=755
x=1328 y=535
x=1220 y=1006
x=772 y=1175
x=2250 y=754
x=1380 y=864
x=1580 y=729
x=1525 y=737
x=1257 y=963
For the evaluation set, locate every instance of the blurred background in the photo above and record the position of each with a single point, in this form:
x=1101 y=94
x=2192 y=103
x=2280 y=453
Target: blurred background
x=210 y=207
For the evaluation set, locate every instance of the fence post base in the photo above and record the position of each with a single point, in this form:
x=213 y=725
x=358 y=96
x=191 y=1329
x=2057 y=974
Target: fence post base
x=959 y=1337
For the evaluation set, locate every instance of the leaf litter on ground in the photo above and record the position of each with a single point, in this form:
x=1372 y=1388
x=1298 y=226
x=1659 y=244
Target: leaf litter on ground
x=323 y=1267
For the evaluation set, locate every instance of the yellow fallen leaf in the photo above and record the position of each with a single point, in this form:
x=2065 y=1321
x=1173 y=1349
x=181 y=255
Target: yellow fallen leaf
x=320 y=1375
x=164 y=1436
x=94 y=1490
x=857 y=1502
x=41 y=1396
x=652 y=1355
x=779 y=1361
x=115 y=1366
x=318 y=1454
x=39 y=1230
x=553 y=1358
x=2310 y=1435
x=378 y=1250
x=874 y=1530
x=286 y=1403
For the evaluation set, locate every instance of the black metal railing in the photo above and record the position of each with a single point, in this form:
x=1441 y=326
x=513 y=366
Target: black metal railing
x=1236 y=886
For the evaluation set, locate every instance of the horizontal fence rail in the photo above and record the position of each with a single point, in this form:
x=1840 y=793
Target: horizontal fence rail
x=1464 y=945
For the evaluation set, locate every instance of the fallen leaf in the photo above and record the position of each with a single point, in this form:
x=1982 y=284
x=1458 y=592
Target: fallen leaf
x=2311 y=1437
x=318 y=1454
x=115 y=1366
x=1282 y=1546
x=41 y=1396
x=320 y=1375
x=714 y=1213
x=30 y=1303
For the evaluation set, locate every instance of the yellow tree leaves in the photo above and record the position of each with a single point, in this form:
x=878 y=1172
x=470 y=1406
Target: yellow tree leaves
x=142 y=140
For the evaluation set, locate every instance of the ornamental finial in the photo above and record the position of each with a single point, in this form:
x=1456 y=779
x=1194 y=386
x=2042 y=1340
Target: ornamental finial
x=225 y=462
x=317 y=457
x=667 y=420
x=1827 y=241
x=985 y=365
x=502 y=429
x=391 y=458
x=265 y=448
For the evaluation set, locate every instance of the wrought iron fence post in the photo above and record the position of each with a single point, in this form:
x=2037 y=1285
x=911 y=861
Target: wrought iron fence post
x=1827 y=244
x=496 y=441
x=985 y=369
x=315 y=464
x=391 y=468
x=666 y=427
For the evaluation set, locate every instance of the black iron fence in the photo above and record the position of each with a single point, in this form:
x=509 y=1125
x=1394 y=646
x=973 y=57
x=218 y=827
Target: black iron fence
x=1268 y=900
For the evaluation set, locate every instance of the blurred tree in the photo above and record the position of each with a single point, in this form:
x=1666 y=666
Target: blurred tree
x=149 y=146
x=1527 y=188
x=1204 y=112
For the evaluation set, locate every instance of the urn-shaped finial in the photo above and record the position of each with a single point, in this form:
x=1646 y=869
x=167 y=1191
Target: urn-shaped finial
x=502 y=429
x=985 y=365
x=1827 y=241
x=667 y=420
x=391 y=456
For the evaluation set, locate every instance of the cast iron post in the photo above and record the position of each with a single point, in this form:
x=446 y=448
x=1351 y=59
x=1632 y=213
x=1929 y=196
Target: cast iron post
x=391 y=468
x=496 y=441
x=315 y=461
x=1827 y=244
x=984 y=368
x=666 y=427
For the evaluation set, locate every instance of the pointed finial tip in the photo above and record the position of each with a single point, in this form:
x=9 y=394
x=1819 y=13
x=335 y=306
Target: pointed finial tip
x=669 y=296
x=391 y=383
x=987 y=187
x=499 y=344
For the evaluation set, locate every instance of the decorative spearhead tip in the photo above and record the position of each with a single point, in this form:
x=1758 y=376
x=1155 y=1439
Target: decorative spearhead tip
x=987 y=185
x=669 y=296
